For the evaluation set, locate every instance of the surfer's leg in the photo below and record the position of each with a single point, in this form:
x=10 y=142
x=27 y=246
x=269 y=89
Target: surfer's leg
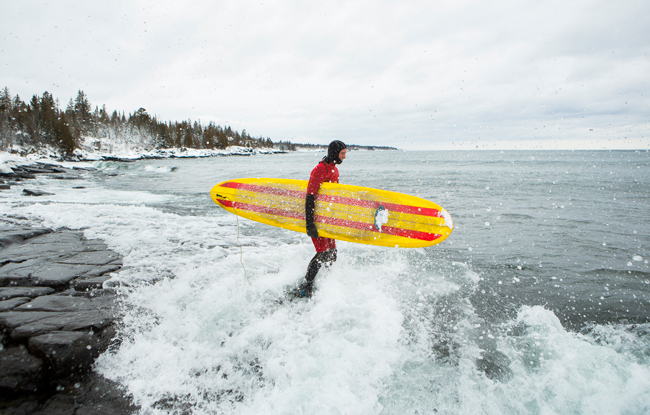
x=326 y=258
x=325 y=255
x=329 y=257
x=321 y=258
x=305 y=289
x=314 y=266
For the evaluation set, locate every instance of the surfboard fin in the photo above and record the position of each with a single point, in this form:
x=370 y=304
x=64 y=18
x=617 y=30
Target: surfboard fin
x=381 y=217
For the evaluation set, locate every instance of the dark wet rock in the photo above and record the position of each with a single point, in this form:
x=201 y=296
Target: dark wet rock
x=58 y=303
x=23 y=325
x=26 y=407
x=104 y=269
x=85 y=284
x=11 y=319
x=43 y=169
x=57 y=407
x=31 y=292
x=66 y=352
x=58 y=275
x=8 y=305
x=17 y=273
x=55 y=319
x=55 y=260
x=94 y=245
x=19 y=175
x=66 y=177
x=19 y=370
x=11 y=235
x=61 y=236
x=30 y=192
x=91 y=258
x=50 y=246
x=89 y=395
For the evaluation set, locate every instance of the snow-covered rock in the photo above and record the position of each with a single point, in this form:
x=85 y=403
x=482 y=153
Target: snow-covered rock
x=18 y=155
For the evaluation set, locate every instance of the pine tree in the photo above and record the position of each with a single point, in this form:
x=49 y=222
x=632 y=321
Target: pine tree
x=5 y=100
x=223 y=138
x=115 y=118
x=63 y=136
x=140 y=118
x=41 y=121
x=47 y=117
x=69 y=111
x=5 y=119
x=83 y=116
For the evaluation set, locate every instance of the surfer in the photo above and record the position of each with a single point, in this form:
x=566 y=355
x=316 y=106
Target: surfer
x=325 y=171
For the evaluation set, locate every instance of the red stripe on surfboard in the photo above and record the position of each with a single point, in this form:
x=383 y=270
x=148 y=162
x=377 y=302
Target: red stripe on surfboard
x=394 y=207
x=407 y=233
x=264 y=189
x=261 y=209
x=389 y=230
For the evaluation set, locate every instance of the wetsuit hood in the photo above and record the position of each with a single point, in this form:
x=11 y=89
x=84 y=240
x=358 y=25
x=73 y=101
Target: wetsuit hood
x=333 y=151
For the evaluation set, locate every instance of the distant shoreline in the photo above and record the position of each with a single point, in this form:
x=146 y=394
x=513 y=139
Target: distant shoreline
x=128 y=155
x=323 y=147
x=18 y=156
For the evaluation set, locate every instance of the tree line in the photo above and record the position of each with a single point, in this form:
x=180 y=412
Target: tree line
x=41 y=123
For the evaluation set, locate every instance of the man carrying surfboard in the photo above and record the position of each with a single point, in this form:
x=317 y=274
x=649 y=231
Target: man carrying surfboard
x=325 y=171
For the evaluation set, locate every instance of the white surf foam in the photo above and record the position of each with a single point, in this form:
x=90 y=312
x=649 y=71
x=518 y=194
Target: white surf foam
x=387 y=331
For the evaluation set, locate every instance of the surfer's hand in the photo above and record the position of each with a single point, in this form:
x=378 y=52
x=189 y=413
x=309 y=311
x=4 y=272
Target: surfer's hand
x=312 y=231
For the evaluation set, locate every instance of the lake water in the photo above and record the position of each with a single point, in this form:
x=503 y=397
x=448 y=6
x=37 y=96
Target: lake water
x=538 y=302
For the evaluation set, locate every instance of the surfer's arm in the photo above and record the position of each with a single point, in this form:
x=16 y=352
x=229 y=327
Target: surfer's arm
x=310 y=207
x=316 y=178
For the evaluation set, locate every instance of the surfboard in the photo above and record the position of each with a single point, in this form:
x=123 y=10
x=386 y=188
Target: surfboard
x=343 y=212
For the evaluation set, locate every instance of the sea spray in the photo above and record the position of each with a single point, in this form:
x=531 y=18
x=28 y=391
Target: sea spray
x=474 y=325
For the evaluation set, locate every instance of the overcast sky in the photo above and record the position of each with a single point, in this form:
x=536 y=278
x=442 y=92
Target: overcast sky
x=413 y=74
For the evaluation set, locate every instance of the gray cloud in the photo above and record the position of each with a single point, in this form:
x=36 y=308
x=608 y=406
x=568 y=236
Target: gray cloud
x=413 y=74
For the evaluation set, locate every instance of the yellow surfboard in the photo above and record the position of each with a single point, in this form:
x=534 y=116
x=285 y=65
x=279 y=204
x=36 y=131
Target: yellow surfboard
x=343 y=212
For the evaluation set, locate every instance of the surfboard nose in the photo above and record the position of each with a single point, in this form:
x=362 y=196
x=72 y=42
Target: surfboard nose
x=223 y=193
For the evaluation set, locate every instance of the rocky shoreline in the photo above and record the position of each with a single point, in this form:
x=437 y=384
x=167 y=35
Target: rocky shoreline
x=134 y=154
x=56 y=318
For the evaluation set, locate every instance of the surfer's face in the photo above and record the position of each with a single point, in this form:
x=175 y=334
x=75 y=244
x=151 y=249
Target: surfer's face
x=343 y=153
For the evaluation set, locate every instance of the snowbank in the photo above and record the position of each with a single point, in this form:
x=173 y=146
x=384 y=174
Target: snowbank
x=18 y=155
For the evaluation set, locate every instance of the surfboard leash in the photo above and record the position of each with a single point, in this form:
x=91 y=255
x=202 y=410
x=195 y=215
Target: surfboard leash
x=241 y=253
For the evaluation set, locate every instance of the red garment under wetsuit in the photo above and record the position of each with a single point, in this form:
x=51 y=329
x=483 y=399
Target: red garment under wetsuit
x=323 y=172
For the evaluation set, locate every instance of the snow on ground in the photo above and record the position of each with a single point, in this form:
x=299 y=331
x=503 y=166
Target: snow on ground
x=18 y=155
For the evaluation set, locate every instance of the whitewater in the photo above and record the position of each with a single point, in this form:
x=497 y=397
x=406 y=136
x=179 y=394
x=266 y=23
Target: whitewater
x=538 y=303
